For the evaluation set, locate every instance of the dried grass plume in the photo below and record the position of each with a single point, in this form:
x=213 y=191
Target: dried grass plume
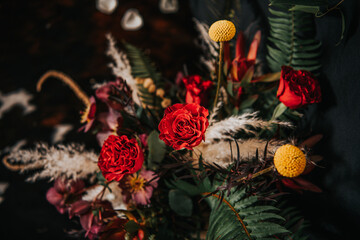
x=71 y=161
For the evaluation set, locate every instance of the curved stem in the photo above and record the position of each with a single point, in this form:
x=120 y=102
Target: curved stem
x=219 y=73
x=266 y=170
x=10 y=166
x=68 y=81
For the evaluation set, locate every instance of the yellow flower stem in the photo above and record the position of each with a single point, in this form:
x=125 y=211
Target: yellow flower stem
x=219 y=72
x=266 y=170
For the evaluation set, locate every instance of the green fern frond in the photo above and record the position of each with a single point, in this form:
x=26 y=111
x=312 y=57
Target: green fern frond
x=241 y=217
x=142 y=67
x=292 y=42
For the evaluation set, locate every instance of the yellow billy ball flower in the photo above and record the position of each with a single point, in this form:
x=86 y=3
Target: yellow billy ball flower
x=289 y=161
x=222 y=31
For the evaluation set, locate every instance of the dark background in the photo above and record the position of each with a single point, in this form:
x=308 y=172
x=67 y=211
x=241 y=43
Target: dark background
x=69 y=36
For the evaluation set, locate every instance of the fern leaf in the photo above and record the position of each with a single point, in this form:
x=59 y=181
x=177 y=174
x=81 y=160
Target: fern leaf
x=241 y=217
x=142 y=68
x=292 y=42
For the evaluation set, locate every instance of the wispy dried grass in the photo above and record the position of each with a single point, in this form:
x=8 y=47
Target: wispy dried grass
x=246 y=123
x=220 y=152
x=121 y=66
x=220 y=143
x=208 y=46
x=71 y=161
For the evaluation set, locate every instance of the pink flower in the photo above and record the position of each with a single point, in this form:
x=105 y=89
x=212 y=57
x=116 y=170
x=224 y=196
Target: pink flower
x=111 y=121
x=88 y=116
x=63 y=191
x=139 y=187
x=91 y=224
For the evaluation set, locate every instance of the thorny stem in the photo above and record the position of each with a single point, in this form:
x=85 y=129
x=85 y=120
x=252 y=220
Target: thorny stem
x=68 y=81
x=219 y=72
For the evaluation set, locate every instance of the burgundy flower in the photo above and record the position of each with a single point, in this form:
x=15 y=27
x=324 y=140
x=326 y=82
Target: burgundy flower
x=64 y=191
x=184 y=125
x=298 y=88
x=139 y=187
x=118 y=89
x=197 y=89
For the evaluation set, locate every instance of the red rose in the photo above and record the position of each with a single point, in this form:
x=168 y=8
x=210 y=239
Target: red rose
x=196 y=89
x=184 y=125
x=120 y=156
x=297 y=88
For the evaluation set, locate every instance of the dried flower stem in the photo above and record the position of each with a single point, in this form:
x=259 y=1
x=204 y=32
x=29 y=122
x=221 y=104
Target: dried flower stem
x=68 y=81
x=219 y=72
x=266 y=170
x=12 y=167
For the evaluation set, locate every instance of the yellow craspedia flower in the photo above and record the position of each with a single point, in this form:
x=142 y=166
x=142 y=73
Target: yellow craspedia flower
x=222 y=31
x=289 y=161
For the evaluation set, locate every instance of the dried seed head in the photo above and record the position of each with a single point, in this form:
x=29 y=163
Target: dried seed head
x=222 y=31
x=289 y=161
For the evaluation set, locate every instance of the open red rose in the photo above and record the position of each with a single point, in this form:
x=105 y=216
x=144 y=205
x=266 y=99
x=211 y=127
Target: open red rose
x=196 y=89
x=297 y=88
x=120 y=156
x=184 y=125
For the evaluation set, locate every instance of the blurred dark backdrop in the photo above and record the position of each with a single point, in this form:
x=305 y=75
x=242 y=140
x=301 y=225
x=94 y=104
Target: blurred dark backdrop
x=69 y=35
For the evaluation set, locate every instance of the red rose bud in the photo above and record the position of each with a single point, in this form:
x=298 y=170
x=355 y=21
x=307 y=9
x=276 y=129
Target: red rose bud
x=297 y=88
x=184 y=125
x=196 y=89
x=120 y=156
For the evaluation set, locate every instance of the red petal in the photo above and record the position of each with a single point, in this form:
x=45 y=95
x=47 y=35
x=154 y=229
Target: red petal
x=254 y=46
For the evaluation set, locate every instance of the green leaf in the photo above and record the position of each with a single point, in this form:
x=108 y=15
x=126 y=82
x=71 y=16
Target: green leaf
x=249 y=101
x=131 y=226
x=229 y=88
x=292 y=39
x=304 y=8
x=180 y=203
x=247 y=77
x=270 y=77
x=279 y=110
x=157 y=149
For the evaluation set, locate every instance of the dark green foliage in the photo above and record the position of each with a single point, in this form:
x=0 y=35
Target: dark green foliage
x=180 y=203
x=261 y=221
x=292 y=42
x=157 y=150
x=142 y=67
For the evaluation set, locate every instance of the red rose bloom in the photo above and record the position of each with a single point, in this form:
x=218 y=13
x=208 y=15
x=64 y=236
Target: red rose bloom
x=184 y=125
x=297 y=88
x=120 y=156
x=196 y=89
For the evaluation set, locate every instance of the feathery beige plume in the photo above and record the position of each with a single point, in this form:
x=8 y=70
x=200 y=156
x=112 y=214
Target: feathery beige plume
x=71 y=161
x=121 y=67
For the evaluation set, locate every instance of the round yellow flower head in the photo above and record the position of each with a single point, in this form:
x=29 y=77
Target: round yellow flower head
x=222 y=31
x=289 y=161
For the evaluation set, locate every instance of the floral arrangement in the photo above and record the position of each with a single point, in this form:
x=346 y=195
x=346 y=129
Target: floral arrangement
x=203 y=157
